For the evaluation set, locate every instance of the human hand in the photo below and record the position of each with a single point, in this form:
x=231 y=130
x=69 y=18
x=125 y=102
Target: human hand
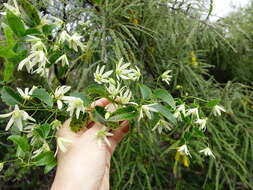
x=86 y=165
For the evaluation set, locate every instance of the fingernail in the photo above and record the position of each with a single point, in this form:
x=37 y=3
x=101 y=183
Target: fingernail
x=124 y=123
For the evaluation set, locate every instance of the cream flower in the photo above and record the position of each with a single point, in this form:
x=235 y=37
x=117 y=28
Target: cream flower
x=166 y=77
x=75 y=42
x=17 y=118
x=184 y=149
x=147 y=109
x=63 y=60
x=61 y=144
x=218 y=109
x=114 y=88
x=124 y=97
x=202 y=123
x=207 y=152
x=26 y=94
x=193 y=111
x=59 y=94
x=102 y=136
x=101 y=77
x=180 y=109
x=161 y=125
x=122 y=70
x=74 y=105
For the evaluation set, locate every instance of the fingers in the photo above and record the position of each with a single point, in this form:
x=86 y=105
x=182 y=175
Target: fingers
x=119 y=134
x=101 y=102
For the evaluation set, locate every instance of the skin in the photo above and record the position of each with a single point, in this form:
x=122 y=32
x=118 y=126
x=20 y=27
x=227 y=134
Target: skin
x=86 y=165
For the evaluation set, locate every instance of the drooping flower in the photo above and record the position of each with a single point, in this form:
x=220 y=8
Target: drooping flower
x=102 y=136
x=207 y=152
x=193 y=111
x=14 y=9
x=64 y=36
x=147 y=109
x=180 y=109
x=37 y=44
x=61 y=144
x=63 y=60
x=202 y=123
x=26 y=94
x=44 y=148
x=75 y=42
x=218 y=109
x=122 y=70
x=184 y=150
x=59 y=94
x=161 y=125
x=166 y=77
x=101 y=77
x=124 y=97
x=75 y=104
x=135 y=74
x=17 y=118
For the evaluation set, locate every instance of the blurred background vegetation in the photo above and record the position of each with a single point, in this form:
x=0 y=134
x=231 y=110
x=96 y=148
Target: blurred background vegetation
x=210 y=60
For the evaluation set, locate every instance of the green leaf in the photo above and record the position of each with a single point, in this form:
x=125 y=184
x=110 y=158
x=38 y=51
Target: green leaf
x=165 y=112
x=43 y=130
x=29 y=12
x=96 y=90
x=50 y=166
x=145 y=91
x=9 y=36
x=98 y=114
x=127 y=113
x=16 y=24
x=21 y=142
x=10 y=97
x=165 y=96
x=43 y=95
x=212 y=103
x=6 y=52
x=44 y=159
x=8 y=70
x=48 y=28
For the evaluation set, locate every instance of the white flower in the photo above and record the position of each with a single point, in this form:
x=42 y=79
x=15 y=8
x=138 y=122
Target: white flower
x=36 y=58
x=45 y=147
x=14 y=9
x=218 y=109
x=184 y=149
x=146 y=109
x=1 y=166
x=124 y=97
x=193 y=111
x=207 y=152
x=180 y=109
x=202 y=123
x=166 y=77
x=37 y=44
x=114 y=88
x=63 y=59
x=59 y=94
x=61 y=144
x=75 y=42
x=122 y=70
x=102 y=136
x=26 y=94
x=17 y=117
x=101 y=77
x=74 y=104
x=135 y=74
x=64 y=36
x=162 y=124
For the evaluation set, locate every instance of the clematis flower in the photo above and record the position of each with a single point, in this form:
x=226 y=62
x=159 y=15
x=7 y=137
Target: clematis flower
x=124 y=97
x=122 y=70
x=26 y=94
x=202 y=123
x=147 y=109
x=184 y=150
x=114 y=88
x=180 y=109
x=207 y=152
x=63 y=59
x=37 y=44
x=59 y=94
x=166 y=77
x=14 y=9
x=45 y=148
x=193 y=111
x=74 y=105
x=102 y=137
x=64 y=36
x=61 y=144
x=135 y=74
x=17 y=118
x=101 y=77
x=218 y=109
x=75 y=42
x=161 y=125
